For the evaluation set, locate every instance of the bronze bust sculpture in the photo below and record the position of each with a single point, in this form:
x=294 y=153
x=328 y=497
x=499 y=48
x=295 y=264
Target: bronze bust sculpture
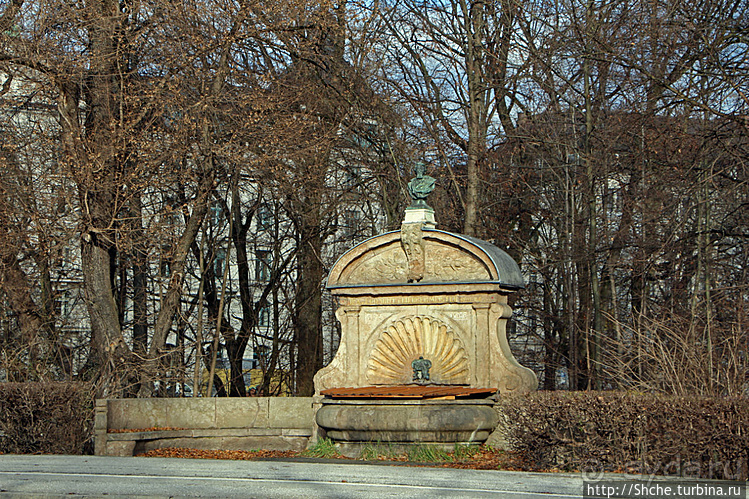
x=420 y=186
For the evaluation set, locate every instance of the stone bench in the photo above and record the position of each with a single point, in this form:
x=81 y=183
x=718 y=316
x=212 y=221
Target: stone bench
x=124 y=427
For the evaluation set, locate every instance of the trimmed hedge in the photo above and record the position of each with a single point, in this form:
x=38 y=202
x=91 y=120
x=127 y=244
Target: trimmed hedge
x=45 y=418
x=629 y=432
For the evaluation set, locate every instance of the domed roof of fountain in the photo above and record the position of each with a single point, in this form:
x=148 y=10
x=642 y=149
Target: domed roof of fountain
x=448 y=258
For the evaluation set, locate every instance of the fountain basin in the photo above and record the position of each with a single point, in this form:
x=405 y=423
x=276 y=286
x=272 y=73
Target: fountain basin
x=352 y=424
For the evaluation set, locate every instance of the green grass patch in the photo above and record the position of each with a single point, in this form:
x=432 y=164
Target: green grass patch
x=375 y=451
x=425 y=453
x=324 y=448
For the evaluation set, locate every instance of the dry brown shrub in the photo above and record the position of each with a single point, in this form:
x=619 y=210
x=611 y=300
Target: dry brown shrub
x=630 y=432
x=45 y=418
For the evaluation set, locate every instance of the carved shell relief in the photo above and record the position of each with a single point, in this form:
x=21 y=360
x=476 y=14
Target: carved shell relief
x=407 y=339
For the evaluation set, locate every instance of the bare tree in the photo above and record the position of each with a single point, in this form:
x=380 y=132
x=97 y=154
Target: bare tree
x=453 y=64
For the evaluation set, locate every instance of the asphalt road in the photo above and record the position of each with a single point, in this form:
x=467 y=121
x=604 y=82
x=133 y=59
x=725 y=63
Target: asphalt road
x=112 y=477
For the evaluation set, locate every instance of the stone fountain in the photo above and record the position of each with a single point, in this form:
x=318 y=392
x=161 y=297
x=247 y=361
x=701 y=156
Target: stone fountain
x=423 y=347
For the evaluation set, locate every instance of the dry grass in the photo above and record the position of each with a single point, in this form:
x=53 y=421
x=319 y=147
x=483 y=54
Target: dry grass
x=483 y=458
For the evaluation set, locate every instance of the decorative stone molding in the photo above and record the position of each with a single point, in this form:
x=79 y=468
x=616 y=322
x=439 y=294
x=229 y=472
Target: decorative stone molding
x=412 y=241
x=448 y=258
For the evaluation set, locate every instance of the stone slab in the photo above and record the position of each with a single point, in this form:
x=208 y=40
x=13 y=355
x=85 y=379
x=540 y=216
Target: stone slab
x=122 y=449
x=274 y=423
x=190 y=412
x=297 y=432
x=135 y=413
x=290 y=412
x=147 y=435
x=242 y=412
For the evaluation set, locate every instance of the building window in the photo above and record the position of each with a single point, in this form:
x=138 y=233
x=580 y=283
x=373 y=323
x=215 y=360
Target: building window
x=263 y=318
x=218 y=262
x=263 y=262
x=165 y=266
x=216 y=213
x=264 y=217
x=351 y=222
x=62 y=305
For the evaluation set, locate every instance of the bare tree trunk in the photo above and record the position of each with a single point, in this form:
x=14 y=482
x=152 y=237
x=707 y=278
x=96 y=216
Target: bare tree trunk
x=171 y=299
x=592 y=266
x=308 y=299
x=474 y=17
